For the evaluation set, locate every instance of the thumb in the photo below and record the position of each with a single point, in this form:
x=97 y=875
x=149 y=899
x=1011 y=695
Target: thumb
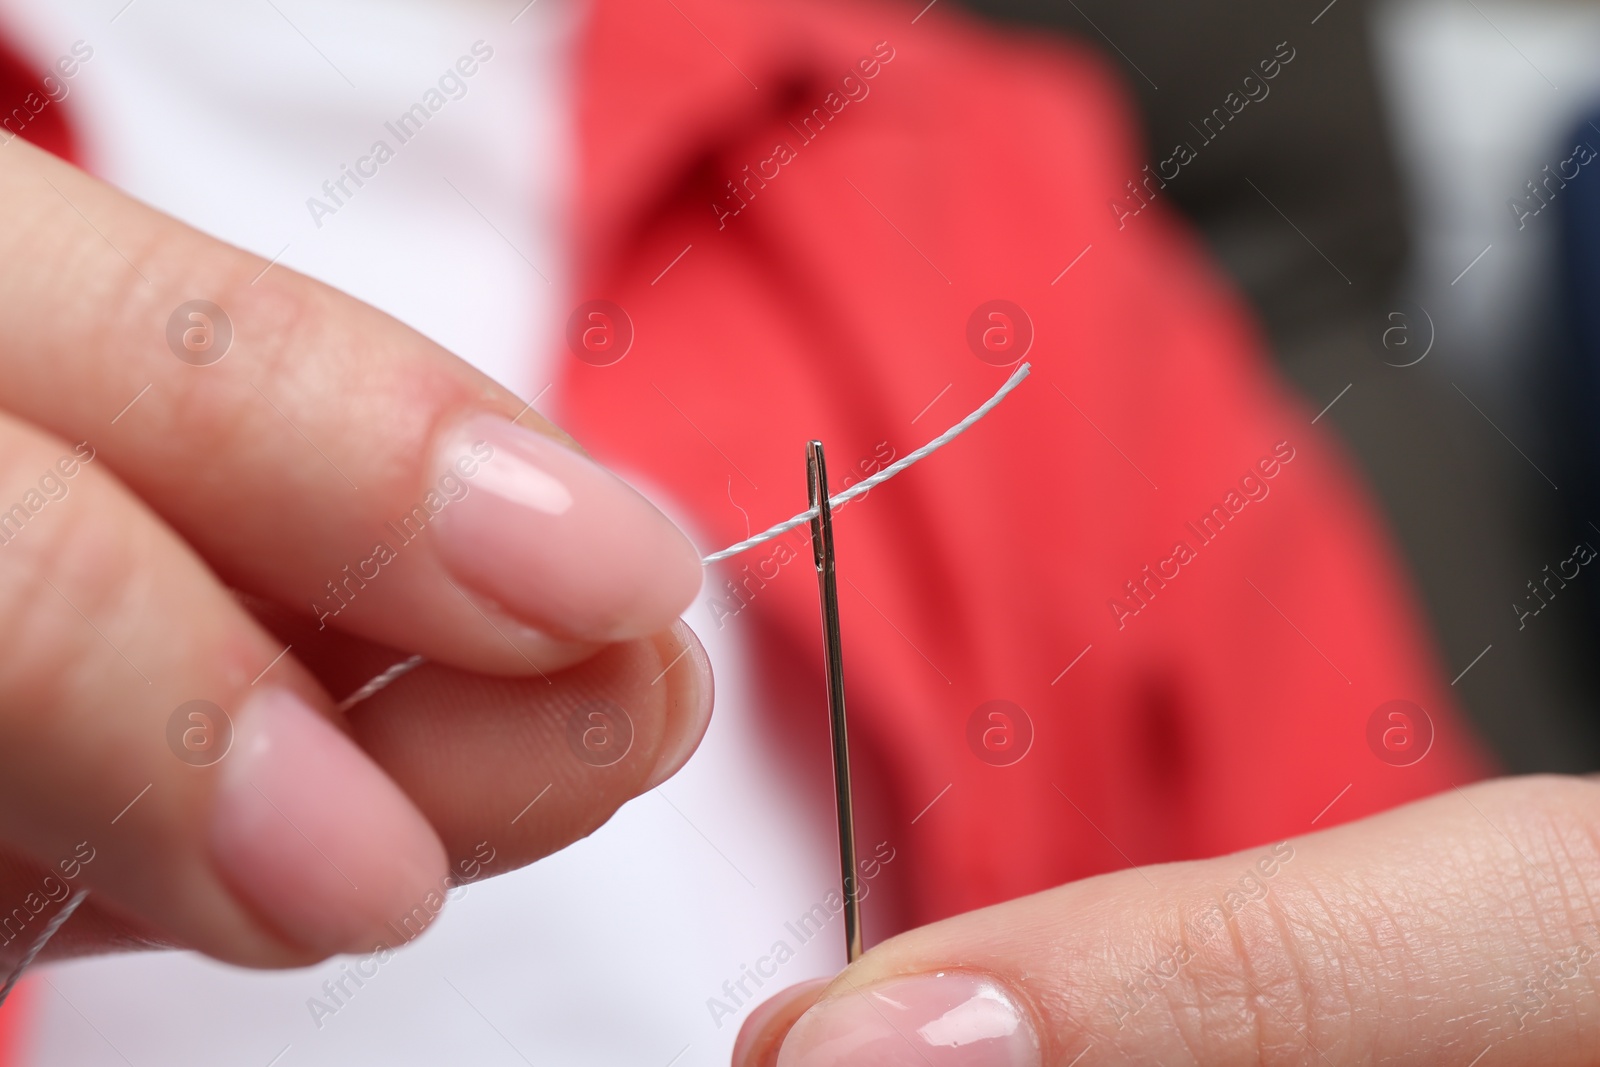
x=1460 y=929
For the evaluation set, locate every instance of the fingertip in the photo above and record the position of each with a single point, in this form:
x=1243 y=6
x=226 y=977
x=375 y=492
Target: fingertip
x=686 y=671
x=763 y=1031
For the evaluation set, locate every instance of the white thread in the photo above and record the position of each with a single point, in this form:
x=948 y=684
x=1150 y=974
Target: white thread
x=44 y=936
x=393 y=673
x=407 y=666
x=882 y=476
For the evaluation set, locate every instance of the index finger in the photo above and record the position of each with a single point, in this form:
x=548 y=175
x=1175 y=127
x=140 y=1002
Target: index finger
x=315 y=451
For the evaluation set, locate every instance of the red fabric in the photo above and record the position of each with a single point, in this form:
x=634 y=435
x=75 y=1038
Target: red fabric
x=27 y=107
x=16 y=1018
x=1228 y=712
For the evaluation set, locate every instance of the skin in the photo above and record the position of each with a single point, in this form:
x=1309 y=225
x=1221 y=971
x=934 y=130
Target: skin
x=183 y=558
x=1463 y=925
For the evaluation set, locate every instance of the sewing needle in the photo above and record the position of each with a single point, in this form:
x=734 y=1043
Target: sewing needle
x=827 y=588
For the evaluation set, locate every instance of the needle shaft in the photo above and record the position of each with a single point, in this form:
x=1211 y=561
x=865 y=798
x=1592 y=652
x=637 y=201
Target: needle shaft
x=822 y=550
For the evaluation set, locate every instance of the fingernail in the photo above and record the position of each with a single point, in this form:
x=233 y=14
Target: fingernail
x=307 y=830
x=949 y=1019
x=687 y=674
x=556 y=539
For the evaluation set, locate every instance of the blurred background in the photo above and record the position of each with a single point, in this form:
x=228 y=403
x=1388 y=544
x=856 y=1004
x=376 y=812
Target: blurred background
x=1412 y=209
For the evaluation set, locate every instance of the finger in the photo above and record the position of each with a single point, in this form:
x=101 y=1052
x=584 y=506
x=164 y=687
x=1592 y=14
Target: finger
x=331 y=459
x=1461 y=929
x=38 y=893
x=124 y=663
x=519 y=768
x=493 y=764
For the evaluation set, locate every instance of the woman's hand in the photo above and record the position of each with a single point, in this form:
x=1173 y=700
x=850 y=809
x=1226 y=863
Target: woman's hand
x=1463 y=929
x=185 y=490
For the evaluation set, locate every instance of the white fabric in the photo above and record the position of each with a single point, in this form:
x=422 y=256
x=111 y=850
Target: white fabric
x=1483 y=96
x=230 y=115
